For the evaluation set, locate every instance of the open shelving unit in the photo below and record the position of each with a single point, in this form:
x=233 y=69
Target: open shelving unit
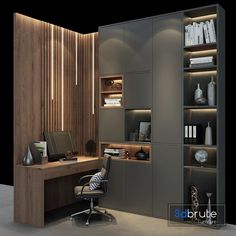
x=111 y=87
x=210 y=176
x=130 y=147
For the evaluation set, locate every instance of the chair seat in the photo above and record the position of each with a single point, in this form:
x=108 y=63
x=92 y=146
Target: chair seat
x=87 y=192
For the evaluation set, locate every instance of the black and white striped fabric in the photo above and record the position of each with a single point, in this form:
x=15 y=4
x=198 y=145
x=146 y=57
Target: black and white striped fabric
x=95 y=181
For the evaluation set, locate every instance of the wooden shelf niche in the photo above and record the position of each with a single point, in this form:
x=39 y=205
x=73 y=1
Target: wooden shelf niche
x=111 y=91
x=130 y=147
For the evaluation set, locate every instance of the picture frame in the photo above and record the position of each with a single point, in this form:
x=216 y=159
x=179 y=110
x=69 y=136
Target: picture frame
x=144 y=131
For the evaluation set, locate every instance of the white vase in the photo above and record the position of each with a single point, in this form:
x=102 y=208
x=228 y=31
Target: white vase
x=211 y=92
x=209 y=219
x=198 y=93
x=208 y=135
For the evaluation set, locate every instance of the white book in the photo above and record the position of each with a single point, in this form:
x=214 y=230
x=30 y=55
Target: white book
x=194 y=33
x=207 y=39
x=213 y=29
x=201 y=33
x=210 y=32
x=186 y=35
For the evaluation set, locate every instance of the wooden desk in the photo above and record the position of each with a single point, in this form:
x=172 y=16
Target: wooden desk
x=29 y=187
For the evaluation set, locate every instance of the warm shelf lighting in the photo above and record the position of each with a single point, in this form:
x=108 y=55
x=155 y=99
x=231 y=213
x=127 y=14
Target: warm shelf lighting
x=203 y=18
x=76 y=59
x=203 y=52
x=115 y=95
x=203 y=110
x=206 y=73
x=141 y=111
x=62 y=79
x=93 y=73
x=52 y=66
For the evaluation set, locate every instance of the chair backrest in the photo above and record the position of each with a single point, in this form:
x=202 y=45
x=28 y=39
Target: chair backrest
x=106 y=167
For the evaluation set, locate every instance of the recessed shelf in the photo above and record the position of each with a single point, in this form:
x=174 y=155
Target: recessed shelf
x=109 y=92
x=132 y=159
x=200 y=69
x=200 y=47
x=201 y=168
x=200 y=145
x=200 y=107
x=131 y=147
x=113 y=107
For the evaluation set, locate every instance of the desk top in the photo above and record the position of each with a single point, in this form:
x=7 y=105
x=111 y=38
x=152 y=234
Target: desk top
x=81 y=159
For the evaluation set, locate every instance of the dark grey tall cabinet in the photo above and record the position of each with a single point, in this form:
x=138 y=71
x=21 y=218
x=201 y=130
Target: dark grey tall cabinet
x=167 y=112
x=151 y=60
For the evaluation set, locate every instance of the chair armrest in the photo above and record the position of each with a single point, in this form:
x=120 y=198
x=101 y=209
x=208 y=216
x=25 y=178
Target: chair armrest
x=84 y=177
x=88 y=183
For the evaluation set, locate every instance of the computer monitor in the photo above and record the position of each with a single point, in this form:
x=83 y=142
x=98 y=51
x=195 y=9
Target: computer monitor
x=59 y=143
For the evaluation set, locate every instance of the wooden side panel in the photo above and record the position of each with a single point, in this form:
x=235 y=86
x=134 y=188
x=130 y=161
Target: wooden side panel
x=29 y=196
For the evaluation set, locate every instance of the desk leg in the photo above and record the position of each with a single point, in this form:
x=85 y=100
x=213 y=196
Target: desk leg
x=29 y=196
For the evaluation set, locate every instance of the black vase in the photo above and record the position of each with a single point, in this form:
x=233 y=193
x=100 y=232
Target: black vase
x=141 y=155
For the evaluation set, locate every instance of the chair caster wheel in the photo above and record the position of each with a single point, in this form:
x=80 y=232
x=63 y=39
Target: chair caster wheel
x=87 y=223
x=71 y=219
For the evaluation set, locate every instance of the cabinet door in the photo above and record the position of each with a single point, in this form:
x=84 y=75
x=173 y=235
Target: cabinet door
x=115 y=195
x=138 y=90
x=167 y=79
x=111 y=48
x=111 y=124
x=138 y=188
x=167 y=177
x=138 y=45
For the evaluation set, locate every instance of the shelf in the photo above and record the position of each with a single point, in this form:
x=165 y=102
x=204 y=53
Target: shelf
x=200 y=146
x=199 y=168
x=111 y=107
x=138 y=143
x=200 y=107
x=200 y=69
x=200 y=47
x=110 y=92
x=132 y=159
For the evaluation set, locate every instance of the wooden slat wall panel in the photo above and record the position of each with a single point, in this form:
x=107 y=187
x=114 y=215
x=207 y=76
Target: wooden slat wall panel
x=34 y=109
x=27 y=83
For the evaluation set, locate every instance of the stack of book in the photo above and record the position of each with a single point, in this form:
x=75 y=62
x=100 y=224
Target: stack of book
x=112 y=102
x=115 y=152
x=201 y=61
x=200 y=33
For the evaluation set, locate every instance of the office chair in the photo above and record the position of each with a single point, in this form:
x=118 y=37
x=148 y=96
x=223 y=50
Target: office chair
x=84 y=192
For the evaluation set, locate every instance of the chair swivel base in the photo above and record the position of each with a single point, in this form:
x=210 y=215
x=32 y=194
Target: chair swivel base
x=90 y=211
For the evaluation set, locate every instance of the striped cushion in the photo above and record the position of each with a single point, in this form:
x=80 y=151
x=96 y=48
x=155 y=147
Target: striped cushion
x=95 y=178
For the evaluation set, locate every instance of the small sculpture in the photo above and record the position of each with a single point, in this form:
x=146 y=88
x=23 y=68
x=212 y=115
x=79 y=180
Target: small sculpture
x=195 y=201
x=28 y=158
x=201 y=156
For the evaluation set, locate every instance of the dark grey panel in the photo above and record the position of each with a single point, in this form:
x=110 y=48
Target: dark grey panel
x=138 y=90
x=221 y=111
x=138 y=188
x=138 y=45
x=167 y=79
x=116 y=188
x=111 y=50
x=167 y=177
x=111 y=124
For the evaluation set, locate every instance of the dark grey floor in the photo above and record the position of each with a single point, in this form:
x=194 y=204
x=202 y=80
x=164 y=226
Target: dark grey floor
x=123 y=224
